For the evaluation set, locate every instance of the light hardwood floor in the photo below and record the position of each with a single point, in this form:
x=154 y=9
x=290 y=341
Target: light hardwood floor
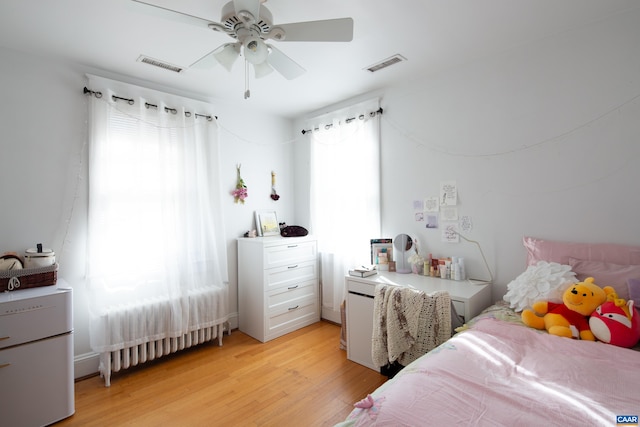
x=301 y=379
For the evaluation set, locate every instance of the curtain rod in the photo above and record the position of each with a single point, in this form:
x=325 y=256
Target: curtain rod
x=147 y=105
x=349 y=120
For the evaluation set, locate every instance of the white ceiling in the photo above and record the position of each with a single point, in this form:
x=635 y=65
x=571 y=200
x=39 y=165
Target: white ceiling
x=434 y=35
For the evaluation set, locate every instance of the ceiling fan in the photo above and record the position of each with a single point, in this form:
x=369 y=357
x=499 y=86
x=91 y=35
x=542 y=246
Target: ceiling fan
x=250 y=23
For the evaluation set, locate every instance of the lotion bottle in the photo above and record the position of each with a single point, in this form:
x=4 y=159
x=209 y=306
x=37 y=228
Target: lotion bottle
x=456 y=270
x=463 y=274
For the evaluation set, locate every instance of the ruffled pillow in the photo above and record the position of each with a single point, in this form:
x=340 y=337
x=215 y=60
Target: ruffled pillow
x=544 y=281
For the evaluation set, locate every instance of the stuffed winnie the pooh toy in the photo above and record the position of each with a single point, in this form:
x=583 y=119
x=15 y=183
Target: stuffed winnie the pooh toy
x=570 y=319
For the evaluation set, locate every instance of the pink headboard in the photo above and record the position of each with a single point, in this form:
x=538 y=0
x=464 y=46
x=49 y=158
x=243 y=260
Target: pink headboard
x=610 y=264
x=560 y=252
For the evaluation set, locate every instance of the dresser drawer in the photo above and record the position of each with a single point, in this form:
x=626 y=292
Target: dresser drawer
x=290 y=253
x=283 y=299
x=290 y=275
x=288 y=320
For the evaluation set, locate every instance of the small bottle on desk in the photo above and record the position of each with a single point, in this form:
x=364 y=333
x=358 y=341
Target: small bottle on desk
x=463 y=274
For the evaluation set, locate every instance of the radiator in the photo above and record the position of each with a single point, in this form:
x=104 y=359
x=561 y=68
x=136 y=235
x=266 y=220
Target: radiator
x=207 y=315
x=114 y=361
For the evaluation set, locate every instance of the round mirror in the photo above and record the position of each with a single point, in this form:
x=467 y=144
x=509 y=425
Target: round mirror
x=402 y=243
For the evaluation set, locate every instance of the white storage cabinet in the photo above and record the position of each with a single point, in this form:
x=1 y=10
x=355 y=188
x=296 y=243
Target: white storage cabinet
x=277 y=285
x=36 y=356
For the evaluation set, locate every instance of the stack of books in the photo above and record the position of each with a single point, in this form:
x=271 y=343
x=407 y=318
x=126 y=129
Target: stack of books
x=363 y=271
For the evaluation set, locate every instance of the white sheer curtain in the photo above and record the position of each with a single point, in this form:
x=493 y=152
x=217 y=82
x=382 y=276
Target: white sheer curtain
x=155 y=233
x=345 y=194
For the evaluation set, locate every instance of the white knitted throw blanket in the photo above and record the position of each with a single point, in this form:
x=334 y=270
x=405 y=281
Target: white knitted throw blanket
x=408 y=323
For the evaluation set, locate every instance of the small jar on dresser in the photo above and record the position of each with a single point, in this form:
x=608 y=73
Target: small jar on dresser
x=277 y=285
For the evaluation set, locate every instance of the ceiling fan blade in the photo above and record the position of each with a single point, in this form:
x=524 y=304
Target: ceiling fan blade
x=206 y=62
x=283 y=64
x=329 y=30
x=251 y=6
x=170 y=14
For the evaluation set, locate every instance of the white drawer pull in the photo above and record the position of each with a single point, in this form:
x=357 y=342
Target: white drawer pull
x=293 y=308
x=293 y=287
x=293 y=266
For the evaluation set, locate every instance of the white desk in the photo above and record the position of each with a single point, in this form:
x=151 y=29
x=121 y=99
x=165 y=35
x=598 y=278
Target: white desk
x=468 y=299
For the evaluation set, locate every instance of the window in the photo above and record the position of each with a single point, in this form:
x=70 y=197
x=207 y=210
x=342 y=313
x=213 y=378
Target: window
x=155 y=220
x=345 y=194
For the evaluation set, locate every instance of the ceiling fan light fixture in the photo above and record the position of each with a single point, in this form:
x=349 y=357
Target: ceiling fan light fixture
x=262 y=69
x=255 y=50
x=227 y=55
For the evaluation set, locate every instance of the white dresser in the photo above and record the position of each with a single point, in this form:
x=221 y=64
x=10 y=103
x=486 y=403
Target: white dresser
x=468 y=300
x=36 y=356
x=277 y=285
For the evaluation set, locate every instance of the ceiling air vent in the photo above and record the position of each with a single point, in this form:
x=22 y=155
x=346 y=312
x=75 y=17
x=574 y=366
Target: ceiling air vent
x=386 y=63
x=159 y=64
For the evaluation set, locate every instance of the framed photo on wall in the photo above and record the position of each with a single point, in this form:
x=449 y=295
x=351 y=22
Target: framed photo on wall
x=267 y=223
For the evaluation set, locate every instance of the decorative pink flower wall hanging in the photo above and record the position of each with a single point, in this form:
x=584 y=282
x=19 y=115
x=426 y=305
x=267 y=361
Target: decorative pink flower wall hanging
x=274 y=194
x=240 y=192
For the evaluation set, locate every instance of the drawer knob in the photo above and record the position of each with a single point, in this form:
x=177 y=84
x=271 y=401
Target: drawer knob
x=292 y=246
x=4 y=365
x=4 y=338
x=293 y=308
x=293 y=287
x=293 y=266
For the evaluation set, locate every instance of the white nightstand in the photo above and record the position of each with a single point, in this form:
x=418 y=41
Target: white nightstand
x=468 y=299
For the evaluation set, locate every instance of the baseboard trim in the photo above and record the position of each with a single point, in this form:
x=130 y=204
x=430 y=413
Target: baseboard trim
x=331 y=315
x=85 y=365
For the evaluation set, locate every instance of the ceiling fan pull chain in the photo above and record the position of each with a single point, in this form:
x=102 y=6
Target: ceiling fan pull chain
x=247 y=92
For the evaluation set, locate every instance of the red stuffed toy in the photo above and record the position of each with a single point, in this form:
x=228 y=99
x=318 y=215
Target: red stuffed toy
x=616 y=322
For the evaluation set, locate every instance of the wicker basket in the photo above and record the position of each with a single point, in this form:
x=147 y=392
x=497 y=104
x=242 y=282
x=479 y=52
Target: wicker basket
x=13 y=280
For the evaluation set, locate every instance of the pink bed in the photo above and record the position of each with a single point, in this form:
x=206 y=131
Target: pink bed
x=500 y=372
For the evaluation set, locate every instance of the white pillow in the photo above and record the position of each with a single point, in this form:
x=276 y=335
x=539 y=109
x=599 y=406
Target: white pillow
x=545 y=281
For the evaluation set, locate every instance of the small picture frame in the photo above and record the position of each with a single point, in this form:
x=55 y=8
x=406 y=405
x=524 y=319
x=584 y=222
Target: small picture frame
x=267 y=223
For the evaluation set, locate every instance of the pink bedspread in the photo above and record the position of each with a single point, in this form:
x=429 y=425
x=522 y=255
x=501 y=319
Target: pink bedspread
x=504 y=374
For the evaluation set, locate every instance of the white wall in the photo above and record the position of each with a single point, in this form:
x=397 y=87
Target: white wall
x=542 y=141
x=43 y=117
